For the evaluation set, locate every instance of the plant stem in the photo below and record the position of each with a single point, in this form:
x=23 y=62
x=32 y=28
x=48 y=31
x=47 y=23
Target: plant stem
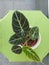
x=43 y=63
x=26 y=42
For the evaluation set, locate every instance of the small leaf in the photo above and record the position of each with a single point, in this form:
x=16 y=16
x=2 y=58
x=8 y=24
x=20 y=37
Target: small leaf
x=34 y=33
x=20 y=24
x=30 y=53
x=16 y=49
x=16 y=40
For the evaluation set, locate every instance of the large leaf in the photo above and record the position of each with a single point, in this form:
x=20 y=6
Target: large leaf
x=34 y=33
x=16 y=49
x=30 y=53
x=16 y=40
x=20 y=23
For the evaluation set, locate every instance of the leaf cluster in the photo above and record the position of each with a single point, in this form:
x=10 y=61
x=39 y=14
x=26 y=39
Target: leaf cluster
x=23 y=33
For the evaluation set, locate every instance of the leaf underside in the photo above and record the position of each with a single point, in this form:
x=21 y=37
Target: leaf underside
x=30 y=53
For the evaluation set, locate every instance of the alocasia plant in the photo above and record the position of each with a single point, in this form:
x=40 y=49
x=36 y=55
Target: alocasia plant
x=23 y=34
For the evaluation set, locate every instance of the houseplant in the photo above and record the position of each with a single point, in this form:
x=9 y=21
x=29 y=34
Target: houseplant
x=24 y=37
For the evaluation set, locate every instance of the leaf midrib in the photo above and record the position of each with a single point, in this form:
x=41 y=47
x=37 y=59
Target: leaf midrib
x=16 y=49
x=16 y=39
x=19 y=22
x=34 y=33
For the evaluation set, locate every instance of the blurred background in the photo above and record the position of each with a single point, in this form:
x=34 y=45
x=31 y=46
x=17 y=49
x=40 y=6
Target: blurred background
x=6 y=5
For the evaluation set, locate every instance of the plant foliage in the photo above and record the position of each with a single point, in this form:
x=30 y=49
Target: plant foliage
x=23 y=33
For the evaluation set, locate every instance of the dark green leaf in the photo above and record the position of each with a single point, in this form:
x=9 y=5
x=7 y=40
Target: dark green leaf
x=16 y=49
x=15 y=39
x=31 y=54
x=20 y=24
x=34 y=33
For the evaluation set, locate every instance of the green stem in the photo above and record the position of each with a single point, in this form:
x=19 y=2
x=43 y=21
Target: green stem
x=26 y=42
x=43 y=63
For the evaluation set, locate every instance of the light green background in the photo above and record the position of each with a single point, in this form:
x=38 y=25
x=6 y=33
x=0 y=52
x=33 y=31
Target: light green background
x=35 y=18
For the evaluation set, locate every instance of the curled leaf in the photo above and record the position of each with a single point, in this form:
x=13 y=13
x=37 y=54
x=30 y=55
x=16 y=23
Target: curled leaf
x=16 y=49
x=30 y=53
x=34 y=33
